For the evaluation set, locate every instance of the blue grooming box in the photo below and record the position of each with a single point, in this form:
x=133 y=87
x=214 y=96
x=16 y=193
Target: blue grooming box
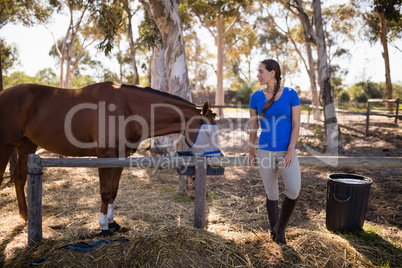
x=211 y=170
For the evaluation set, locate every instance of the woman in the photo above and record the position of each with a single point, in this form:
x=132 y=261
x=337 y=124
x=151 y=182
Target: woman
x=278 y=109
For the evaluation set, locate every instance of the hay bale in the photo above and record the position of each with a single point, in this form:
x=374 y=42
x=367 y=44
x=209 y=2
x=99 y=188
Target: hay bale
x=184 y=247
x=167 y=247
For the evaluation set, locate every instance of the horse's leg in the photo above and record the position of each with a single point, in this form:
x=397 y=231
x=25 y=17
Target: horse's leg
x=109 y=183
x=25 y=148
x=5 y=153
x=112 y=224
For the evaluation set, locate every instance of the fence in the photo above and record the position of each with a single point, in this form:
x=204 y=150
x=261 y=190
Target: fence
x=36 y=165
x=381 y=112
x=369 y=111
x=336 y=110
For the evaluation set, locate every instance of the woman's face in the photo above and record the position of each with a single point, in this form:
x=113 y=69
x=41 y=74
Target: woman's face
x=264 y=76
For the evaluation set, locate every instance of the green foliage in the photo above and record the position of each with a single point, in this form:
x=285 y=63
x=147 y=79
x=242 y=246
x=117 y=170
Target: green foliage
x=110 y=22
x=397 y=90
x=343 y=96
x=9 y=55
x=149 y=33
x=77 y=54
x=244 y=92
x=391 y=9
x=363 y=91
x=26 y=12
x=79 y=81
x=45 y=77
x=17 y=78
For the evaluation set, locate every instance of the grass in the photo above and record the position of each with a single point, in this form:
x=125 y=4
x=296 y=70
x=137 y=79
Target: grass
x=371 y=244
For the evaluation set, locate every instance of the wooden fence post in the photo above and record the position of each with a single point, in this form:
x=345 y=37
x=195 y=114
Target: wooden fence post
x=368 y=118
x=200 y=192
x=34 y=199
x=397 y=111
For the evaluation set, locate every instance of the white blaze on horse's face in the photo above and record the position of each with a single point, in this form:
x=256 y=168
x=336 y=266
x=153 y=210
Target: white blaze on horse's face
x=207 y=141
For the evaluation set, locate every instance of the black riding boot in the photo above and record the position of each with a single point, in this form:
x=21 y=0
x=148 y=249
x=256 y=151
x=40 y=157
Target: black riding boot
x=273 y=215
x=287 y=209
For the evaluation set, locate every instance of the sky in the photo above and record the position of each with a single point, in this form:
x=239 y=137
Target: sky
x=34 y=44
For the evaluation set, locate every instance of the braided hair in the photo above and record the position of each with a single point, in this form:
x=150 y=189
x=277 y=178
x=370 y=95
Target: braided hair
x=272 y=65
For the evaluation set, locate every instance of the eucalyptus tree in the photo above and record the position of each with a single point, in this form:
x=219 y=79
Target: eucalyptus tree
x=80 y=34
x=382 y=22
x=9 y=55
x=28 y=13
x=219 y=18
x=115 y=21
x=239 y=57
x=199 y=60
x=279 y=37
x=169 y=64
x=161 y=29
x=340 y=28
x=318 y=35
x=299 y=33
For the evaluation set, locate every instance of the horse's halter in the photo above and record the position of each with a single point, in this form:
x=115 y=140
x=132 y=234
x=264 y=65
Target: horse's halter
x=206 y=142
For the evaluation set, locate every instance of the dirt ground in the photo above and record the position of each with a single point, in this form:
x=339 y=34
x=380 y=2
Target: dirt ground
x=148 y=199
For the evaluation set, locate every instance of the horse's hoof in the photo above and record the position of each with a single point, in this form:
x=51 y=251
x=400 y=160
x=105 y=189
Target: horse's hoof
x=114 y=225
x=105 y=233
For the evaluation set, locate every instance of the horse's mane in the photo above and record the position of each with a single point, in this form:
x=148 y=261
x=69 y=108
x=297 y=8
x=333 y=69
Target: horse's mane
x=157 y=92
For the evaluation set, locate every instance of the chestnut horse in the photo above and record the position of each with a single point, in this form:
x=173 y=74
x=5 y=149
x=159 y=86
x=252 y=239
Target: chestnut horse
x=102 y=120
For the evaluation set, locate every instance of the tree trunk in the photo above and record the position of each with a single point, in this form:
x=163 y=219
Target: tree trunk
x=385 y=55
x=331 y=124
x=311 y=67
x=136 y=79
x=219 y=97
x=1 y=73
x=62 y=73
x=166 y=16
x=313 y=85
x=68 y=74
x=159 y=81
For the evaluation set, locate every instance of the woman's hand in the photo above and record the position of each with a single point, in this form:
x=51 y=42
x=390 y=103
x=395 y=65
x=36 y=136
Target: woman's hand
x=251 y=156
x=288 y=158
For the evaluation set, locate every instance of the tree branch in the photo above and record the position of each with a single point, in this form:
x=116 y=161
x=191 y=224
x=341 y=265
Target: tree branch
x=147 y=8
x=232 y=24
x=206 y=27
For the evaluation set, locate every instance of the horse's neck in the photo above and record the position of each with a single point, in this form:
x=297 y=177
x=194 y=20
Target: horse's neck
x=173 y=120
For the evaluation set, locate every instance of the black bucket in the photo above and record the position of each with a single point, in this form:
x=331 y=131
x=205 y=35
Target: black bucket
x=347 y=199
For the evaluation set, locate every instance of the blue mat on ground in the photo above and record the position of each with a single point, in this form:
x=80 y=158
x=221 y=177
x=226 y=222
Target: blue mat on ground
x=80 y=247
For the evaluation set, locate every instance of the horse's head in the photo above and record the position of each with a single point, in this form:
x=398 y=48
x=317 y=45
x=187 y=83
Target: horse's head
x=202 y=135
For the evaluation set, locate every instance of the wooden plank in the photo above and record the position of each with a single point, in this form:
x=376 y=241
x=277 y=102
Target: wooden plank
x=387 y=115
x=34 y=199
x=320 y=161
x=140 y=162
x=200 y=193
x=382 y=100
x=236 y=161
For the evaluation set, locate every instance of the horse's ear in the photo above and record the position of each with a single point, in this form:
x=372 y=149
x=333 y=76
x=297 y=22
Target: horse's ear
x=205 y=108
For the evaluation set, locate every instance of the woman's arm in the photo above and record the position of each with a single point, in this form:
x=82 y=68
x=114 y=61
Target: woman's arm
x=253 y=136
x=288 y=159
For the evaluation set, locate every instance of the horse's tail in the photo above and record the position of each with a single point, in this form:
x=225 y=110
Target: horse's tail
x=8 y=124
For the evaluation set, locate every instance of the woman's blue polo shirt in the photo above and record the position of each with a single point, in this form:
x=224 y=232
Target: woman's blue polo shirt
x=276 y=125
